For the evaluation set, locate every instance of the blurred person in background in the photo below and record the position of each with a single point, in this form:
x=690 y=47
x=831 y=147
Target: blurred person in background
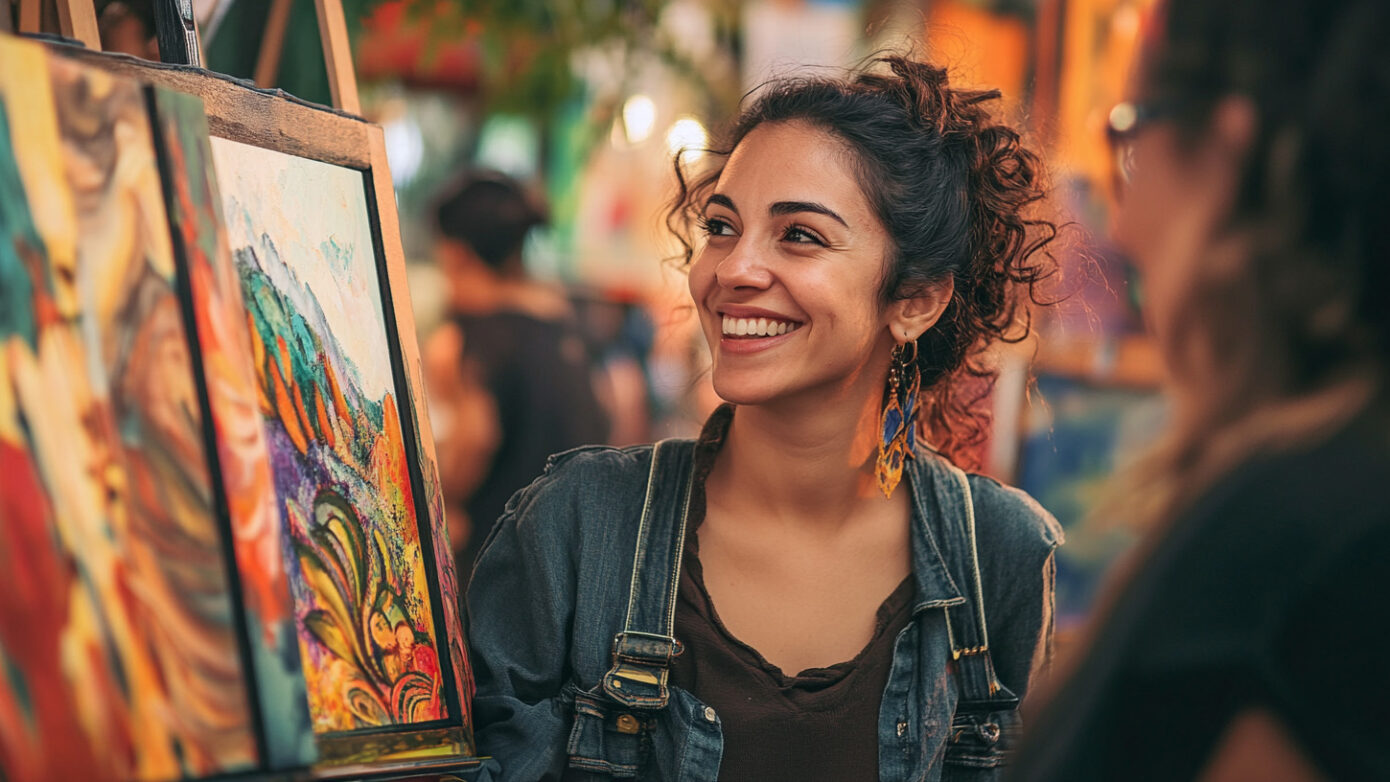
x=508 y=373
x=865 y=242
x=619 y=334
x=1249 y=639
x=128 y=26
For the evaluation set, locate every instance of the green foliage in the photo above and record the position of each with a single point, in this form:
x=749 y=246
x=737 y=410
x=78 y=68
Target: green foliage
x=528 y=46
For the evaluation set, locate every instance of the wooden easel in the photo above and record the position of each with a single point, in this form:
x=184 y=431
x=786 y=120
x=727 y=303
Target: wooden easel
x=76 y=19
x=177 y=32
x=337 y=53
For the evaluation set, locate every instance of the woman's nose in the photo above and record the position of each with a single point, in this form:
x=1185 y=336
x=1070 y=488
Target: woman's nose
x=743 y=267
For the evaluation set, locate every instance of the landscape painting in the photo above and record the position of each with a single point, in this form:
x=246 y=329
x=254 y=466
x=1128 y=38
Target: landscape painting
x=302 y=244
x=118 y=644
x=218 y=320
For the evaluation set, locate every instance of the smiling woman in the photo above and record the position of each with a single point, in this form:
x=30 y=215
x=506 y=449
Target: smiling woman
x=793 y=611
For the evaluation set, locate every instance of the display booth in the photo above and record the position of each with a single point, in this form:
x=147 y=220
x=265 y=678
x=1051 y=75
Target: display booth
x=220 y=518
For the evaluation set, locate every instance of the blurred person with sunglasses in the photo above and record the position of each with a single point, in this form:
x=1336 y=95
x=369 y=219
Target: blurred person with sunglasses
x=1248 y=638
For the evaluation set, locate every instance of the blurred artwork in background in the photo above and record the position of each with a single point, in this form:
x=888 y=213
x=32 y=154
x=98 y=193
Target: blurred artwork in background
x=218 y=317
x=302 y=244
x=118 y=649
x=1076 y=438
x=982 y=50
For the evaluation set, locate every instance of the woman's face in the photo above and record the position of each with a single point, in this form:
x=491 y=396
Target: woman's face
x=1173 y=215
x=787 y=285
x=1155 y=225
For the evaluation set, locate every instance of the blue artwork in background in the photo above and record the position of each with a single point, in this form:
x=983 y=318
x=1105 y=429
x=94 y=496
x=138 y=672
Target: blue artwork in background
x=1077 y=437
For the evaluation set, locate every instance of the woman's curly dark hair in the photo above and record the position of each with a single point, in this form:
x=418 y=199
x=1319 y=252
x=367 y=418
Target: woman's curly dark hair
x=954 y=188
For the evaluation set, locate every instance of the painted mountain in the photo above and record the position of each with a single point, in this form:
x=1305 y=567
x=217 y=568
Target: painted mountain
x=301 y=242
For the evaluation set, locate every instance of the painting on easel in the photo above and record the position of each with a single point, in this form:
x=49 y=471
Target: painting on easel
x=220 y=502
x=117 y=628
x=302 y=244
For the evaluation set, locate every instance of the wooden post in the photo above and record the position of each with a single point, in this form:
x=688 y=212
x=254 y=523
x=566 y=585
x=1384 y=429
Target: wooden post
x=78 y=20
x=272 y=44
x=337 y=55
x=177 y=32
x=30 y=16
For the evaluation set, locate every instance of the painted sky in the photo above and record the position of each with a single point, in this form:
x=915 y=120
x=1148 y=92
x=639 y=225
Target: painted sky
x=316 y=215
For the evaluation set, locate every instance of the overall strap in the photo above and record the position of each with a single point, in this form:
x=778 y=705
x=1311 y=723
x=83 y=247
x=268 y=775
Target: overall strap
x=980 y=689
x=643 y=651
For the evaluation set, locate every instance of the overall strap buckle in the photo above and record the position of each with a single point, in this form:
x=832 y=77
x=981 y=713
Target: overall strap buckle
x=641 y=669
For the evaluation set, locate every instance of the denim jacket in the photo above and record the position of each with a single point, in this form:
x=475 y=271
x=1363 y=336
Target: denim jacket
x=569 y=630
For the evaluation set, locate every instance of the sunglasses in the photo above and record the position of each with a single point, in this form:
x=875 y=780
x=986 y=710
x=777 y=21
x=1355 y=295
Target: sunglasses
x=1122 y=128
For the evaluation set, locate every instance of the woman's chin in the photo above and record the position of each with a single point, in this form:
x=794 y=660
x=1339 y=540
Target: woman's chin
x=742 y=391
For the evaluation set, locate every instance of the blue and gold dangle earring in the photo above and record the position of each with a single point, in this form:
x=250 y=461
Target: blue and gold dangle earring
x=898 y=422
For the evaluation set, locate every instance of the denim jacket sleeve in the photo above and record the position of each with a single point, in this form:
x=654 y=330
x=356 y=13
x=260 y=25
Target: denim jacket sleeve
x=514 y=622
x=522 y=605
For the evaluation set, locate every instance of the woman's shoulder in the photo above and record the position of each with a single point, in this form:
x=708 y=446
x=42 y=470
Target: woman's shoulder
x=1011 y=531
x=589 y=474
x=1005 y=511
x=584 y=486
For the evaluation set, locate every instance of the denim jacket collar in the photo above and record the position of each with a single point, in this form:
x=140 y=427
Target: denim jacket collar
x=935 y=587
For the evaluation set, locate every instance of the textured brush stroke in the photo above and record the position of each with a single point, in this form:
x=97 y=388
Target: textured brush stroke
x=134 y=326
x=302 y=245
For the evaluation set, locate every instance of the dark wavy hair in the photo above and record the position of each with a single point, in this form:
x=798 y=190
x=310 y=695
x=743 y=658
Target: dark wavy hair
x=1277 y=342
x=490 y=212
x=954 y=188
x=1314 y=193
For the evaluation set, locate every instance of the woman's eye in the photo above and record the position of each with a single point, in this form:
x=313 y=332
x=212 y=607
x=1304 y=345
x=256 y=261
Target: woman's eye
x=799 y=235
x=715 y=226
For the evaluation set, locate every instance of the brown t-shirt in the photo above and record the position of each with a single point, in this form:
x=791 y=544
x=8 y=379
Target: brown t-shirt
x=821 y=723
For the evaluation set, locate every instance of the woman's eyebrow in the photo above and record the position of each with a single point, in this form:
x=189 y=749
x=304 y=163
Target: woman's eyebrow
x=781 y=207
x=722 y=200
x=793 y=207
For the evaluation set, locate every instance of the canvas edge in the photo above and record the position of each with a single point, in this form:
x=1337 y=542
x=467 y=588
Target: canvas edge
x=413 y=377
x=157 y=102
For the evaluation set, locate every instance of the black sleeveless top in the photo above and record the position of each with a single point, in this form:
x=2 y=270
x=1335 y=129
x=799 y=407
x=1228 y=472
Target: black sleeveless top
x=821 y=723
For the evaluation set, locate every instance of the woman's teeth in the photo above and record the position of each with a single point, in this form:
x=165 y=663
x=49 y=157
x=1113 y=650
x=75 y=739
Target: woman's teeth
x=756 y=327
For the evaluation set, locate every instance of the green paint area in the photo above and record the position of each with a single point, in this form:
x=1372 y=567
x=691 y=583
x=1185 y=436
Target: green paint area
x=21 y=249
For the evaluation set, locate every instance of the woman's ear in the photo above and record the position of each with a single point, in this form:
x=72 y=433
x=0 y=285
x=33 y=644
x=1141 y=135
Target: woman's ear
x=909 y=318
x=1226 y=150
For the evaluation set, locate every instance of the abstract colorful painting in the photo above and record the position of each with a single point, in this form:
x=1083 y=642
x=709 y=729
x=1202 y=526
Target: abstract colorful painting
x=118 y=647
x=302 y=244
x=218 y=321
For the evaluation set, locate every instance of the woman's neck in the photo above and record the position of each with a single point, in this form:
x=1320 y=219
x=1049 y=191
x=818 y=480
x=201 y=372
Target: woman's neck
x=474 y=288
x=803 y=462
